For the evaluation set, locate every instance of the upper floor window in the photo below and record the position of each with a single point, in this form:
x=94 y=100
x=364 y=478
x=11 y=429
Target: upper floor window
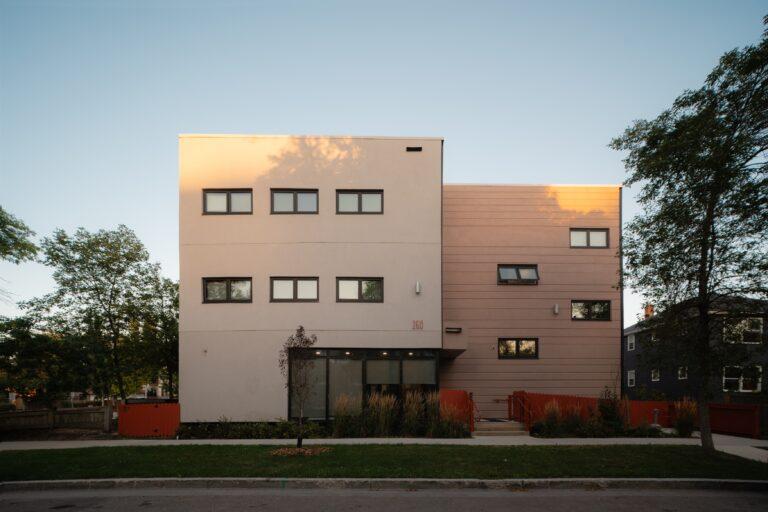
x=235 y=201
x=294 y=200
x=742 y=380
x=226 y=289
x=682 y=373
x=590 y=310
x=293 y=289
x=518 y=348
x=517 y=274
x=359 y=289
x=744 y=330
x=631 y=378
x=630 y=343
x=655 y=375
x=589 y=237
x=360 y=201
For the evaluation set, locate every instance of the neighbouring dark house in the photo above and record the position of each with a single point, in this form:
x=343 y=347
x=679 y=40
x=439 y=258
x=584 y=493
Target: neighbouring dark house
x=741 y=325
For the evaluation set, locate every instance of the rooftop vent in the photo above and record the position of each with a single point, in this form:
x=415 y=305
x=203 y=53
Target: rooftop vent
x=413 y=148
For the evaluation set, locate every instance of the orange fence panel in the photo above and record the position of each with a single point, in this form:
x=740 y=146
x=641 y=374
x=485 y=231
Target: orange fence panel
x=461 y=401
x=738 y=419
x=148 y=420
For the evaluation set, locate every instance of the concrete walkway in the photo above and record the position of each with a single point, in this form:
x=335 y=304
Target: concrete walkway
x=740 y=446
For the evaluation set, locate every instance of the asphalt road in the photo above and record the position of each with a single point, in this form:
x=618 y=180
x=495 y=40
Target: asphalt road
x=210 y=500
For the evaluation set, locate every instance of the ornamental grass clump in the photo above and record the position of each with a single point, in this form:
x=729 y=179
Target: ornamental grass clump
x=413 y=420
x=381 y=415
x=346 y=417
x=685 y=417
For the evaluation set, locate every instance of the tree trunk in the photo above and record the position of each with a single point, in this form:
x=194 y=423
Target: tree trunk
x=116 y=367
x=170 y=382
x=704 y=427
x=300 y=432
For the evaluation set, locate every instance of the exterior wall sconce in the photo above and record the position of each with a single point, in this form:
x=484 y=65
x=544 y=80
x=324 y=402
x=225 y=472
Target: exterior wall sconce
x=556 y=309
x=418 y=287
x=453 y=330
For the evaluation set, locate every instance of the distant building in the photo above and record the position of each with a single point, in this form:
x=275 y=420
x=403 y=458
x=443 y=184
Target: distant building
x=743 y=324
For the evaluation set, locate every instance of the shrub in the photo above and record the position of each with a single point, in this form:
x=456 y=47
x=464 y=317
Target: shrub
x=413 y=414
x=346 y=417
x=685 y=417
x=644 y=430
x=381 y=415
x=226 y=429
x=612 y=412
x=572 y=422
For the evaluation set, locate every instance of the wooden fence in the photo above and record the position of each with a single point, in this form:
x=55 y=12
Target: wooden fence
x=738 y=419
x=82 y=417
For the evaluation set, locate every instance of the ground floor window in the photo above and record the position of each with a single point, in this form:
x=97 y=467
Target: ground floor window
x=743 y=380
x=351 y=375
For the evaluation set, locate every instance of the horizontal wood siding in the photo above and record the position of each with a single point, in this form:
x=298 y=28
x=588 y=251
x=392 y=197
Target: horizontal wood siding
x=484 y=226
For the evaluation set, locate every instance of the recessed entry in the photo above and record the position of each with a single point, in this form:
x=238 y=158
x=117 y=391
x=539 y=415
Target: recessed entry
x=413 y=148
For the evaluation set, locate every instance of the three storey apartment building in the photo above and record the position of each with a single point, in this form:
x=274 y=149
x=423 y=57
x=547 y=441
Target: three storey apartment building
x=408 y=284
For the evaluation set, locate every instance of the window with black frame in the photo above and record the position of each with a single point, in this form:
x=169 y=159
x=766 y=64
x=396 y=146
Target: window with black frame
x=518 y=348
x=599 y=310
x=508 y=273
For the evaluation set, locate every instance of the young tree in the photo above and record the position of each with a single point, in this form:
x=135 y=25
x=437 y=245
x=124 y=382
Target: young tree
x=703 y=232
x=297 y=369
x=103 y=282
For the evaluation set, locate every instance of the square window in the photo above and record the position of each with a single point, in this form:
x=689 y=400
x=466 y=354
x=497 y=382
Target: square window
x=507 y=348
x=347 y=202
x=240 y=202
x=282 y=202
x=306 y=202
x=348 y=289
x=282 y=289
x=372 y=290
x=598 y=238
x=240 y=289
x=216 y=202
x=527 y=348
x=371 y=203
x=306 y=289
x=216 y=290
x=578 y=238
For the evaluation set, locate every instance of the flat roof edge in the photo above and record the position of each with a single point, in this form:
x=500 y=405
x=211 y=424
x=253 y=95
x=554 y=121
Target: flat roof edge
x=611 y=185
x=277 y=136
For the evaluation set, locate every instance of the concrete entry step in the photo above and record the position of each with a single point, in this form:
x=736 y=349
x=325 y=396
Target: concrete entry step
x=499 y=428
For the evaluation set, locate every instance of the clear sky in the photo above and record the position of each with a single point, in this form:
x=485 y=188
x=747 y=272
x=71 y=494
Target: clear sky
x=94 y=93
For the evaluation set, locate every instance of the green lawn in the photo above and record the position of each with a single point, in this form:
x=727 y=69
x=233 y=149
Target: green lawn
x=426 y=461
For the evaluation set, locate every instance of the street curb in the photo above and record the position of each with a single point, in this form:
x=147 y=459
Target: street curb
x=387 y=484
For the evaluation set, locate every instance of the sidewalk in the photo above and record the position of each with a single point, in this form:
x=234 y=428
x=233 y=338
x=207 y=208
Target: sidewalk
x=740 y=446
